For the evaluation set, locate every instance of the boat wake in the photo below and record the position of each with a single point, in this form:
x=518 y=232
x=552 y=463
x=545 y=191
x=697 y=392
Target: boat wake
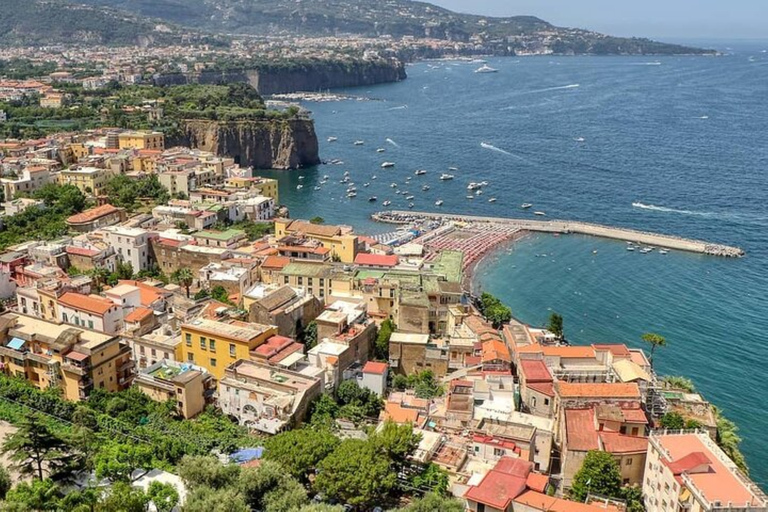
x=401 y=107
x=559 y=88
x=666 y=209
x=392 y=142
x=747 y=218
x=494 y=148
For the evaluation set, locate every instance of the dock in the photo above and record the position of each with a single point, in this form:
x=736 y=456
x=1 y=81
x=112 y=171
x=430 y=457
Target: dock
x=568 y=227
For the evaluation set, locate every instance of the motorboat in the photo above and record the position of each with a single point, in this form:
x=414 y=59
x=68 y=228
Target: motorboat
x=478 y=192
x=485 y=68
x=446 y=177
x=470 y=197
x=453 y=169
x=332 y=139
x=409 y=198
x=380 y=150
x=393 y=185
x=631 y=248
x=373 y=177
x=540 y=214
x=387 y=165
x=366 y=184
x=425 y=188
x=301 y=177
x=386 y=203
x=492 y=200
x=359 y=142
x=346 y=173
x=326 y=177
x=439 y=202
x=420 y=172
x=352 y=194
x=525 y=206
x=299 y=187
x=410 y=205
x=317 y=187
x=663 y=251
x=372 y=199
x=473 y=186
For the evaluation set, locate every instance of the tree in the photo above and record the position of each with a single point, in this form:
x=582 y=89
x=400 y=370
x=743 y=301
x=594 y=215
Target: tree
x=675 y=421
x=100 y=276
x=121 y=497
x=207 y=471
x=164 y=496
x=555 y=325
x=220 y=294
x=381 y=347
x=310 y=335
x=397 y=442
x=633 y=495
x=5 y=482
x=677 y=382
x=356 y=473
x=117 y=461
x=432 y=502
x=432 y=478
x=599 y=474
x=206 y=499
x=183 y=277
x=324 y=409
x=729 y=440
x=655 y=340
x=316 y=220
x=354 y=398
x=300 y=451
x=35 y=449
x=38 y=495
x=271 y=489
x=494 y=310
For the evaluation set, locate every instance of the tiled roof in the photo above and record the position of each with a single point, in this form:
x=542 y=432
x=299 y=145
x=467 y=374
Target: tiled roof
x=399 y=414
x=377 y=260
x=541 y=502
x=495 y=350
x=634 y=416
x=313 y=229
x=375 y=367
x=545 y=388
x=535 y=371
x=617 y=349
x=92 y=214
x=616 y=443
x=580 y=433
x=502 y=484
x=275 y=262
x=138 y=314
x=88 y=303
x=598 y=390
x=81 y=251
x=537 y=482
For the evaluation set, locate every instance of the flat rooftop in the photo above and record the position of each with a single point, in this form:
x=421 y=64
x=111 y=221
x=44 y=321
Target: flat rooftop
x=239 y=331
x=267 y=373
x=31 y=328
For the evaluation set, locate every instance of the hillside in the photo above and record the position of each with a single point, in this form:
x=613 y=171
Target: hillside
x=388 y=17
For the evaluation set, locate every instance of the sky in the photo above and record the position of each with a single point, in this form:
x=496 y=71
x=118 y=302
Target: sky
x=671 y=19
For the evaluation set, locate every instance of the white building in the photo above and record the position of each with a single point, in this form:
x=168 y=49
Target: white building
x=374 y=377
x=131 y=245
x=91 y=312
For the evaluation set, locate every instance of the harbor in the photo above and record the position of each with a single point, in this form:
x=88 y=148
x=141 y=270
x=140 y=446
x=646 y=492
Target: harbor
x=506 y=228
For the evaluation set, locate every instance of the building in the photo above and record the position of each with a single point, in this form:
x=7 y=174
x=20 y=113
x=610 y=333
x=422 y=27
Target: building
x=189 y=387
x=49 y=354
x=265 y=398
x=229 y=239
x=285 y=307
x=410 y=354
x=132 y=245
x=215 y=345
x=141 y=140
x=32 y=178
x=537 y=388
x=341 y=242
x=688 y=471
x=162 y=344
x=96 y=218
x=90 y=180
x=91 y=312
x=374 y=377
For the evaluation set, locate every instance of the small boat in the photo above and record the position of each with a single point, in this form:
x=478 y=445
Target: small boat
x=359 y=142
x=478 y=192
x=453 y=169
x=366 y=184
x=301 y=177
x=326 y=177
x=352 y=194
x=485 y=68
x=541 y=214
x=386 y=203
x=483 y=183
x=645 y=250
x=425 y=188
x=470 y=197
x=439 y=202
x=299 y=187
x=372 y=199
x=393 y=185
x=525 y=206
x=387 y=165
x=580 y=139
x=663 y=251
x=317 y=187
x=630 y=248
x=409 y=198
x=410 y=205
x=408 y=178
x=346 y=173
x=420 y=172
x=473 y=186
x=380 y=150
x=446 y=177
x=492 y=200
x=332 y=139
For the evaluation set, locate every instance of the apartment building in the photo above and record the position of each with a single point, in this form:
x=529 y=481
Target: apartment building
x=189 y=387
x=132 y=245
x=342 y=243
x=91 y=312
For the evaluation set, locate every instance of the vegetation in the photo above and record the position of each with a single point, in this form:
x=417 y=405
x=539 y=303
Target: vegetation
x=300 y=451
x=309 y=335
x=655 y=341
x=357 y=403
x=35 y=449
x=676 y=382
x=600 y=474
x=316 y=220
x=45 y=222
x=125 y=192
x=555 y=325
x=494 y=310
x=184 y=278
x=432 y=502
x=424 y=384
x=254 y=230
x=675 y=421
x=381 y=346
x=729 y=440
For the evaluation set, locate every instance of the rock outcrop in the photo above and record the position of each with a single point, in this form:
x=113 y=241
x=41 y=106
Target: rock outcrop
x=262 y=144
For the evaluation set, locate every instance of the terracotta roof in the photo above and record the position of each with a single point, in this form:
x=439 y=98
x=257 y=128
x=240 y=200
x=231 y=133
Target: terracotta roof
x=580 y=433
x=617 y=349
x=275 y=262
x=537 y=482
x=545 y=388
x=535 y=371
x=313 y=229
x=690 y=462
x=616 y=443
x=495 y=350
x=375 y=367
x=377 y=260
x=598 y=390
x=92 y=214
x=634 y=416
x=138 y=314
x=97 y=305
x=399 y=414
x=148 y=294
x=81 y=251
x=541 y=502
x=502 y=484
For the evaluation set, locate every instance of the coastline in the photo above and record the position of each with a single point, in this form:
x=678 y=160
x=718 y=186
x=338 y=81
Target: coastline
x=469 y=279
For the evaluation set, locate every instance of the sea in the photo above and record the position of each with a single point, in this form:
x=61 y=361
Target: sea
x=677 y=145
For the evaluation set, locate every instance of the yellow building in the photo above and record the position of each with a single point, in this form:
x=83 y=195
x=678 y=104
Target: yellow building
x=50 y=354
x=215 y=345
x=90 y=180
x=186 y=386
x=141 y=140
x=266 y=186
x=78 y=151
x=342 y=243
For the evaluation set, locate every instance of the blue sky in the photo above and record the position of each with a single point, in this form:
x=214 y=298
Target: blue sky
x=730 y=19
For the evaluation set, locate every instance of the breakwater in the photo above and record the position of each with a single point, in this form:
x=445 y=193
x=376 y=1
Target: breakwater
x=567 y=227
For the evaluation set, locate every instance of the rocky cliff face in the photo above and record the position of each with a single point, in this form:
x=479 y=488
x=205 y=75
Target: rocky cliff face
x=283 y=78
x=267 y=144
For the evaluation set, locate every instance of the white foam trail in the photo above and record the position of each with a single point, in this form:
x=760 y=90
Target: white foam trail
x=393 y=143
x=559 y=88
x=402 y=107
x=665 y=209
x=494 y=148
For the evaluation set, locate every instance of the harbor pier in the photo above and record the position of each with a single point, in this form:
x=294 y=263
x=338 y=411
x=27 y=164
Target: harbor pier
x=566 y=227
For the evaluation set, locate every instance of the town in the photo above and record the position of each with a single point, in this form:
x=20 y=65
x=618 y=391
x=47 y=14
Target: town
x=169 y=330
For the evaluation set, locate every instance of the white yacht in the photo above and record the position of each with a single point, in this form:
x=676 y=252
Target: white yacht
x=470 y=197
x=540 y=214
x=445 y=177
x=485 y=68
x=408 y=198
x=631 y=248
x=332 y=139
x=663 y=251
x=299 y=187
x=473 y=186
x=386 y=203
x=492 y=200
x=420 y=172
x=359 y=142
x=352 y=194
x=525 y=206
x=380 y=150
x=387 y=165
x=439 y=202
x=425 y=188
x=393 y=185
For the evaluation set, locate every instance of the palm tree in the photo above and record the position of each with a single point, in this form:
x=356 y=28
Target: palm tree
x=100 y=276
x=183 y=277
x=655 y=340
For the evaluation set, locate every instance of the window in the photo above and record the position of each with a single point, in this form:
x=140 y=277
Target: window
x=300 y=280
x=202 y=342
x=285 y=280
x=232 y=350
x=188 y=339
x=212 y=345
x=635 y=431
x=191 y=357
x=498 y=452
x=154 y=352
x=533 y=401
x=625 y=481
x=477 y=449
x=90 y=324
x=629 y=462
x=141 y=350
x=213 y=362
x=309 y=281
x=546 y=401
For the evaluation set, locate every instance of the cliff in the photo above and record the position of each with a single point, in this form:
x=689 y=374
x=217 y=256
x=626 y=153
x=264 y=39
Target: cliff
x=294 y=76
x=263 y=144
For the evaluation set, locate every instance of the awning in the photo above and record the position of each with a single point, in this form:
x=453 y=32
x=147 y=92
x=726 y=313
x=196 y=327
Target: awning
x=16 y=343
x=77 y=356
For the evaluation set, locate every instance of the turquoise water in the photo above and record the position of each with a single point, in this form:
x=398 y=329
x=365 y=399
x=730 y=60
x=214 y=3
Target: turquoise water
x=683 y=136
